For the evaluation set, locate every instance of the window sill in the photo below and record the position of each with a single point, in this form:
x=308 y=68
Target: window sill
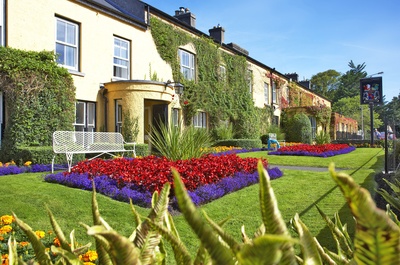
x=74 y=72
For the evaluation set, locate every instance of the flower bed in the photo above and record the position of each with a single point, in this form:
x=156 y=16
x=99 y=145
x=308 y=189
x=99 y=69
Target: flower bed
x=24 y=247
x=206 y=178
x=319 y=150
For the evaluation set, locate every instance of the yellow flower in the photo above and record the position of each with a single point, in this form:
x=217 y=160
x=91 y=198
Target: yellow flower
x=40 y=234
x=6 y=219
x=27 y=163
x=5 y=229
x=12 y=163
x=1 y=164
x=91 y=255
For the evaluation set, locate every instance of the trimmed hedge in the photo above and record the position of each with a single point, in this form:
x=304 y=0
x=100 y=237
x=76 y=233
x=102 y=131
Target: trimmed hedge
x=243 y=143
x=44 y=154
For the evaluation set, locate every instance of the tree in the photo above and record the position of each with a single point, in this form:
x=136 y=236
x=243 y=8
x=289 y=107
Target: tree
x=349 y=83
x=326 y=83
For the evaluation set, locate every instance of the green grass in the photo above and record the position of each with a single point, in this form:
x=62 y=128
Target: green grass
x=296 y=191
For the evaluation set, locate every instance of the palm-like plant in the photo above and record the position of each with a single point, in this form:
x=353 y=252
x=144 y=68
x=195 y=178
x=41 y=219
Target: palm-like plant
x=177 y=143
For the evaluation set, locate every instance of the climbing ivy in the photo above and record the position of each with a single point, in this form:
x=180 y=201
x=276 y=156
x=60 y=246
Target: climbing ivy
x=39 y=98
x=225 y=98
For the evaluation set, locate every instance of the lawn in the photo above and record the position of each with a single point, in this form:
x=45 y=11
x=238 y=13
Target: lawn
x=296 y=191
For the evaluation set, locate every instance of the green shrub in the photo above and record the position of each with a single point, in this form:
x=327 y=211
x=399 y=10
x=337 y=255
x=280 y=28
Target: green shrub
x=41 y=155
x=298 y=129
x=242 y=143
x=223 y=131
x=39 y=99
x=141 y=149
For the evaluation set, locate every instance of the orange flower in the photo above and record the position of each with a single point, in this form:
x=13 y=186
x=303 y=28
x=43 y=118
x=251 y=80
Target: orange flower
x=23 y=243
x=4 y=259
x=56 y=242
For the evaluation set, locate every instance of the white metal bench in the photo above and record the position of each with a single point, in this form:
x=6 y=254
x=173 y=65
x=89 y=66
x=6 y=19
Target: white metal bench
x=70 y=143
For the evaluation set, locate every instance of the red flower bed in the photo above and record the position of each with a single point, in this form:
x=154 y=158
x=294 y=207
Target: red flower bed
x=151 y=173
x=321 y=150
x=317 y=148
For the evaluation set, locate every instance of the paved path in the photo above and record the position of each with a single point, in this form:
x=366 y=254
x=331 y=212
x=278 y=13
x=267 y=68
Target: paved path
x=317 y=169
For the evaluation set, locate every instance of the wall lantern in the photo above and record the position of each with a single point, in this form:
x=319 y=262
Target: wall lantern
x=178 y=87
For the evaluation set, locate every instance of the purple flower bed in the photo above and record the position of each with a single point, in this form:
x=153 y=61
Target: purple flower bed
x=202 y=195
x=308 y=153
x=13 y=170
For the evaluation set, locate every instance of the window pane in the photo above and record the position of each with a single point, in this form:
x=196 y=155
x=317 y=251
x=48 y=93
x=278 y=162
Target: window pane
x=80 y=113
x=66 y=43
x=91 y=114
x=121 y=58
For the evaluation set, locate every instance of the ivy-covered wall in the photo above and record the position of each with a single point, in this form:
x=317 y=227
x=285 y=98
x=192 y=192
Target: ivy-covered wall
x=222 y=97
x=39 y=98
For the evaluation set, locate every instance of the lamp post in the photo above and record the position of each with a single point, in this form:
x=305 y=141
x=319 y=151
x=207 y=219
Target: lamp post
x=362 y=123
x=370 y=97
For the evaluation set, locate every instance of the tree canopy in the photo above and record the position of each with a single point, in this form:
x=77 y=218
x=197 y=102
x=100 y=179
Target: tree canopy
x=325 y=83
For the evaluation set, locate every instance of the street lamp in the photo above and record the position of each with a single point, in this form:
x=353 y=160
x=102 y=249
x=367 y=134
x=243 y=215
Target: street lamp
x=177 y=86
x=370 y=93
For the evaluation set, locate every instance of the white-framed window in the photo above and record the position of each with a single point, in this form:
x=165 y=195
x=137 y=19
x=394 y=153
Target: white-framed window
x=266 y=93
x=67 y=43
x=175 y=117
x=274 y=96
x=121 y=58
x=313 y=121
x=187 y=62
x=200 y=120
x=222 y=73
x=85 y=116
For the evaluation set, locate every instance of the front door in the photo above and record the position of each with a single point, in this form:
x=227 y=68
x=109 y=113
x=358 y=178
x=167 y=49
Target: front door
x=160 y=117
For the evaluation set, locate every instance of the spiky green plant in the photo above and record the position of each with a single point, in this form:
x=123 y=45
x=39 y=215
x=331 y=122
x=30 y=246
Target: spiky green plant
x=177 y=143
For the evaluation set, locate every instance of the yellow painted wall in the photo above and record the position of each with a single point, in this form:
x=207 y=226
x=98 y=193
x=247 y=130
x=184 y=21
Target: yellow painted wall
x=33 y=27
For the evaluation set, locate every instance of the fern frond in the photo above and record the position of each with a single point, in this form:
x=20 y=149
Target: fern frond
x=101 y=244
x=307 y=243
x=218 y=252
x=122 y=250
x=377 y=237
x=271 y=216
x=182 y=255
x=339 y=233
x=266 y=249
x=40 y=250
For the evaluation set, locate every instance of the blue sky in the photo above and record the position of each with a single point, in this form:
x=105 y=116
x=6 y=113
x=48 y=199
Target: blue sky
x=307 y=36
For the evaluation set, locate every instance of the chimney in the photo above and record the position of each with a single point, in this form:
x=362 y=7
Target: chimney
x=294 y=77
x=217 y=33
x=184 y=15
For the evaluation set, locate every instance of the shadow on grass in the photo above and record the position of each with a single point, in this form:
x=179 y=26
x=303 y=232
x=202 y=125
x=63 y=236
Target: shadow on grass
x=325 y=237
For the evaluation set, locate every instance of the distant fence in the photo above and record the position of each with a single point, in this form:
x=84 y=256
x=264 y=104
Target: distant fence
x=347 y=136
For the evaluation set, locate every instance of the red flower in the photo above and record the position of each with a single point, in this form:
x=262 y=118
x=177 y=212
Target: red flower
x=151 y=172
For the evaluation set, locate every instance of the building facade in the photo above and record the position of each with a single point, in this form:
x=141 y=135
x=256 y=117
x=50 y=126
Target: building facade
x=109 y=49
